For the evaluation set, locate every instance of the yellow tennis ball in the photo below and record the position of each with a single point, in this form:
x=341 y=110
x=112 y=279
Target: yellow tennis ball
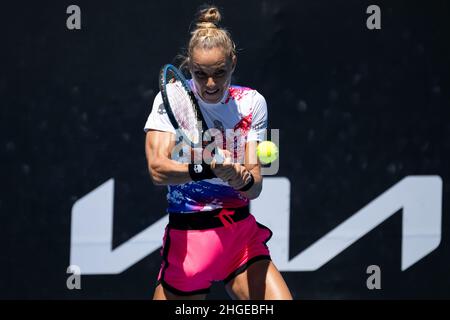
x=267 y=152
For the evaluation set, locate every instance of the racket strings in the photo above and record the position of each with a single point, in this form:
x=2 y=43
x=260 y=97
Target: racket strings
x=183 y=109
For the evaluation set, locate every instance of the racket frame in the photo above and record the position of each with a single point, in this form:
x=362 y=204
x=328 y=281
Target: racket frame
x=162 y=87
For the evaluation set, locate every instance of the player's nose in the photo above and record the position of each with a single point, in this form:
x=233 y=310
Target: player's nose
x=210 y=83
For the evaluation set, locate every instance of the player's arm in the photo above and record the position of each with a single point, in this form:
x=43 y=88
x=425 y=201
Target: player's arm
x=163 y=170
x=253 y=165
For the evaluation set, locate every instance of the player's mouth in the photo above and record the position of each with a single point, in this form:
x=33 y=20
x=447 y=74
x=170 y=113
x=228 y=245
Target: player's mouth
x=211 y=92
x=212 y=96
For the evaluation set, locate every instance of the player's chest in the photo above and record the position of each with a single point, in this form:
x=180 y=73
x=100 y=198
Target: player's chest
x=228 y=118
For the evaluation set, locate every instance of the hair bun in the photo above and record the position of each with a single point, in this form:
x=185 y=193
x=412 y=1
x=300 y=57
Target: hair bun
x=208 y=34
x=208 y=17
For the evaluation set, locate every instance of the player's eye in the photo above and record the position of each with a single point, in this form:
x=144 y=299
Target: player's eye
x=200 y=74
x=219 y=73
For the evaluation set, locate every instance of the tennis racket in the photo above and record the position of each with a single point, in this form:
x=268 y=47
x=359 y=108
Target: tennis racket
x=182 y=107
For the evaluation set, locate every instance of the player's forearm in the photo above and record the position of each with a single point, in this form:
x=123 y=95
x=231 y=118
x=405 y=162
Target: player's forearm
x=165 y=171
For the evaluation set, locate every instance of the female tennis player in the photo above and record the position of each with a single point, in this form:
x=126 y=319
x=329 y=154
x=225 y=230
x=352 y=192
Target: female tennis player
x=211 y=235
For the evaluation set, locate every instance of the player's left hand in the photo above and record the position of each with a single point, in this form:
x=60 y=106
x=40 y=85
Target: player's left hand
x=235 y=174
x=240 y=178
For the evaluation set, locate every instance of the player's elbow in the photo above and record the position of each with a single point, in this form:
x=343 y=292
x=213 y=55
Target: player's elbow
x=252 y=197
x=156 y=172
x=254 y=192
x=157 y=179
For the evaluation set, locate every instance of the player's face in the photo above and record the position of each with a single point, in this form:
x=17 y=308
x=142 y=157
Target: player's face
x=211 y=71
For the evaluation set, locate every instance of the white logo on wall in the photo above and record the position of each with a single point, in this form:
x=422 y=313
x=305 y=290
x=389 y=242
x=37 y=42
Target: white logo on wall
x=419 y=197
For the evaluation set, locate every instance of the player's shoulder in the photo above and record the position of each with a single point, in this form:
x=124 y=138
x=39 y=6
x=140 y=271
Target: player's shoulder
x=158 y=96
x=238 y=93
x=238 y=90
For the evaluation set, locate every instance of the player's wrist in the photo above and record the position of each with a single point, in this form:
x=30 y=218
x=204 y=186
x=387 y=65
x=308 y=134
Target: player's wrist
x=200 y=171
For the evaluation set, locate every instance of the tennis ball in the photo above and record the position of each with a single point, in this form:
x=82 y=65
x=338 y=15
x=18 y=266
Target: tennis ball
x=267 y=152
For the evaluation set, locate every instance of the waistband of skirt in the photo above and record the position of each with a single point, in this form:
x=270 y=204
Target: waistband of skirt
x=222 y=217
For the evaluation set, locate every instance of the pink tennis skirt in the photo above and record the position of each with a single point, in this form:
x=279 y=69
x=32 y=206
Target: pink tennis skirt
x=203 y=247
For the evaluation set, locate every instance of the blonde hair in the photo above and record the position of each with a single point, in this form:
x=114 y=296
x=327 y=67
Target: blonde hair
x=207 y=35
